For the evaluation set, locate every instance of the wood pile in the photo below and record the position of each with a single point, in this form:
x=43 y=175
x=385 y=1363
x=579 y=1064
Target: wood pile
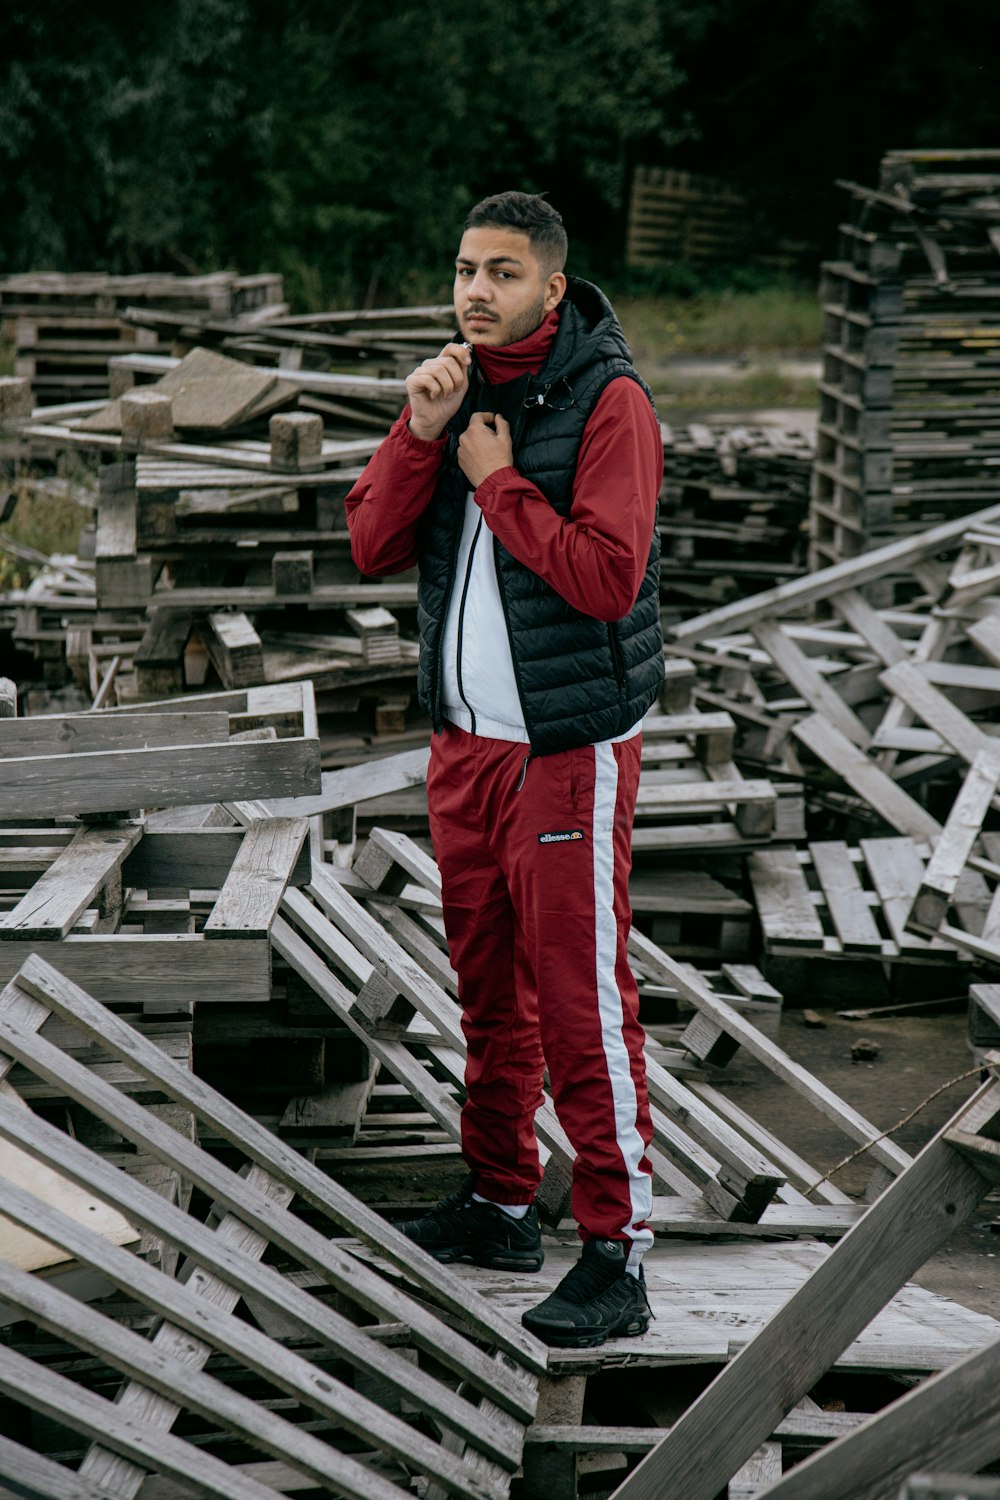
x=65 y=327
x=909 y=426
x=734 y=511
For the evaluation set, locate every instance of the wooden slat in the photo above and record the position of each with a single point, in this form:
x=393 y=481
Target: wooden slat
x=76 y=733
x=846 y=899
x=744 y=1404
x=898 y=809
x=280 y=1160
x=55 y=785
x=70 y=884
x=784 y=901
x=256 y=882
x=940 y=879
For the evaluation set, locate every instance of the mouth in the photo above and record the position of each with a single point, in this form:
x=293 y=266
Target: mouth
x=479 y=319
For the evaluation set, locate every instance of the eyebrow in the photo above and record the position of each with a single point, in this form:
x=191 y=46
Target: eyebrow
x=494 y=260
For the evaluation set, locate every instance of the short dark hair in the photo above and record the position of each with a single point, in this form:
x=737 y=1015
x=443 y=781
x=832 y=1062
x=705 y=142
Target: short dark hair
x=531 y=214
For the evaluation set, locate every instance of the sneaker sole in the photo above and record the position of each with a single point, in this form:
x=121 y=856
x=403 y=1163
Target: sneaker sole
x=585 y=1338
x=492 y=1260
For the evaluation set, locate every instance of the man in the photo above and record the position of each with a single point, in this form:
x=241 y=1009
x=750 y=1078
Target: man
x=523 y=477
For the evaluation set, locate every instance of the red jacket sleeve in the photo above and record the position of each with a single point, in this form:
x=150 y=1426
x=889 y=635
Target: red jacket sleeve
x=596 y=556
x=385 y=505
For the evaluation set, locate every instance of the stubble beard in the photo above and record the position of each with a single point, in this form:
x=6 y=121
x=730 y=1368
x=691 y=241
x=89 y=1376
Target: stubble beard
x=519 y=327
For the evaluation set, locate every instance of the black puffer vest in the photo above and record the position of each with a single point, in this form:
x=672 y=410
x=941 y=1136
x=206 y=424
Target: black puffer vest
x=580 y=680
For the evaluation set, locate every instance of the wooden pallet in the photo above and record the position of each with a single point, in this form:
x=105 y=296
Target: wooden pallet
x=355 y=1442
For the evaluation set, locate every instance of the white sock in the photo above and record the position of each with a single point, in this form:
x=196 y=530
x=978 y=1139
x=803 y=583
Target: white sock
x=632 y=1270
x=516 y=1210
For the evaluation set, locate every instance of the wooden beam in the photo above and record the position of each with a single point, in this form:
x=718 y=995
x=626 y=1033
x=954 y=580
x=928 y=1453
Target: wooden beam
x=745 y=1403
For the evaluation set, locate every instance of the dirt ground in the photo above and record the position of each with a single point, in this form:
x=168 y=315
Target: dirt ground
x=916 y=1054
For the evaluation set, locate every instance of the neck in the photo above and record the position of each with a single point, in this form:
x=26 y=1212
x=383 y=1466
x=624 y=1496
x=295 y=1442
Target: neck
x=526 y=357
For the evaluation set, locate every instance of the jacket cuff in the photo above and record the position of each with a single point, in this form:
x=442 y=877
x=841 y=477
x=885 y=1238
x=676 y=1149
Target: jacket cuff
x=401 y=431
x=495 y=482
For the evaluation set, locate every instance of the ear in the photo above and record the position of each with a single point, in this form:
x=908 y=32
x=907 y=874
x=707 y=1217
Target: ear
x=555 y=290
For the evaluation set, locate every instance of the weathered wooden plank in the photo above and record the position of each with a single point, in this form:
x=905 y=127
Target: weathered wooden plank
x=746 y=1402
x=784 y=901
x=280 y=1160
x=71 y=883
x=796 y=667
x=257 y=880
x=939 y=881
x=951 y=1420
x=846 y=899
x=170 y=970
x=227 y=1259
x=661 y=966
x=55 y=785
x=192 y=859
x=896 y=870
x=823 y=583
x=870 y=625
x=898 y=809
x=936 y=710
x=372 y=778
x=70 y=1405
x=75 y=733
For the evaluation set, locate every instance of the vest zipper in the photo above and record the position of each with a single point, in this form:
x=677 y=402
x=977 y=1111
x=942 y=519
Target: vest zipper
x=461 y=622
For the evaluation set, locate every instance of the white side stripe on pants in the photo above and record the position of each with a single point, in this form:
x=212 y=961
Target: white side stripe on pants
x=609 y=998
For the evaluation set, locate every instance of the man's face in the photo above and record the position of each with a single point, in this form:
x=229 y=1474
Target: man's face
x=501 y=292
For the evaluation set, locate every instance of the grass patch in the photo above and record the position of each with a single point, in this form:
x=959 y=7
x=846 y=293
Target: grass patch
x=783 y=320
x=765 y=386
x=44 y=520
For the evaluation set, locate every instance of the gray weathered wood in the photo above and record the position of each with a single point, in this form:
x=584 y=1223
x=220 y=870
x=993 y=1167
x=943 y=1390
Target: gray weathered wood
x=854 y=573
x=783 y=898
x=72 y=733
x=952 y=850
x=116 y=967
x=867 y=779
x=796 y=667
x=280 y=1161
x=71 y=883
x=951 y=1420
x=846 y=899
x=745 y=1403
x=257 y=880
x=372 y=778
x=54 y=785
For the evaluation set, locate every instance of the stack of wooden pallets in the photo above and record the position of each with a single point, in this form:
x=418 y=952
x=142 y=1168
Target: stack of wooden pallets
x=734 y=511
x=909 y=430
x=66 y=326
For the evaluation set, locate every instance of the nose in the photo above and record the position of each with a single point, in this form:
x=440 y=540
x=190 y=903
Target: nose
x=479 y=289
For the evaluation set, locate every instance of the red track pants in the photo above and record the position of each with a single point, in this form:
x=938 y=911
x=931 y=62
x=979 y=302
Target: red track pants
x=534 y=856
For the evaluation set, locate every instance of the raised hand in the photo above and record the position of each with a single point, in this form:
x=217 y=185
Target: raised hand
x=484 y=447
x=436 y=388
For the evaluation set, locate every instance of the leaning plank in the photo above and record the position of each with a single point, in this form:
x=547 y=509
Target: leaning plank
x=796 y=667
x=742 y=1407
x=951 y=1420
x=855 y=572
x=71 y=883
x=372 y=778
x=70 y=1405
x=42 y=1477
x=662 y=967
x=260 y=872
x=936 y=710
x=229 y=1262
x=207 y=1397
x=882 y=794
x=281 y=1161
x=200 y=1304
x=951 y=854
x=55 y=785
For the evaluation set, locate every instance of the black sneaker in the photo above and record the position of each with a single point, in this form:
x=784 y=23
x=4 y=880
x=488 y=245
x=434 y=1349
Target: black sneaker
x=460 y=1229
x=597 y=1299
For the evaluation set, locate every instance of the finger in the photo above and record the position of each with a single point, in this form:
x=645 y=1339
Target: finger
x=461 y=352
x=501 y=424
x=485 y=419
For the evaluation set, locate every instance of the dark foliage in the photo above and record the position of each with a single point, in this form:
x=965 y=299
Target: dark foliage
x=342 y=144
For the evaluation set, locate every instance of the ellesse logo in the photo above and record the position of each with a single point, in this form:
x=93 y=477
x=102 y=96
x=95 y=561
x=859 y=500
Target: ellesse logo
x=562 y=836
